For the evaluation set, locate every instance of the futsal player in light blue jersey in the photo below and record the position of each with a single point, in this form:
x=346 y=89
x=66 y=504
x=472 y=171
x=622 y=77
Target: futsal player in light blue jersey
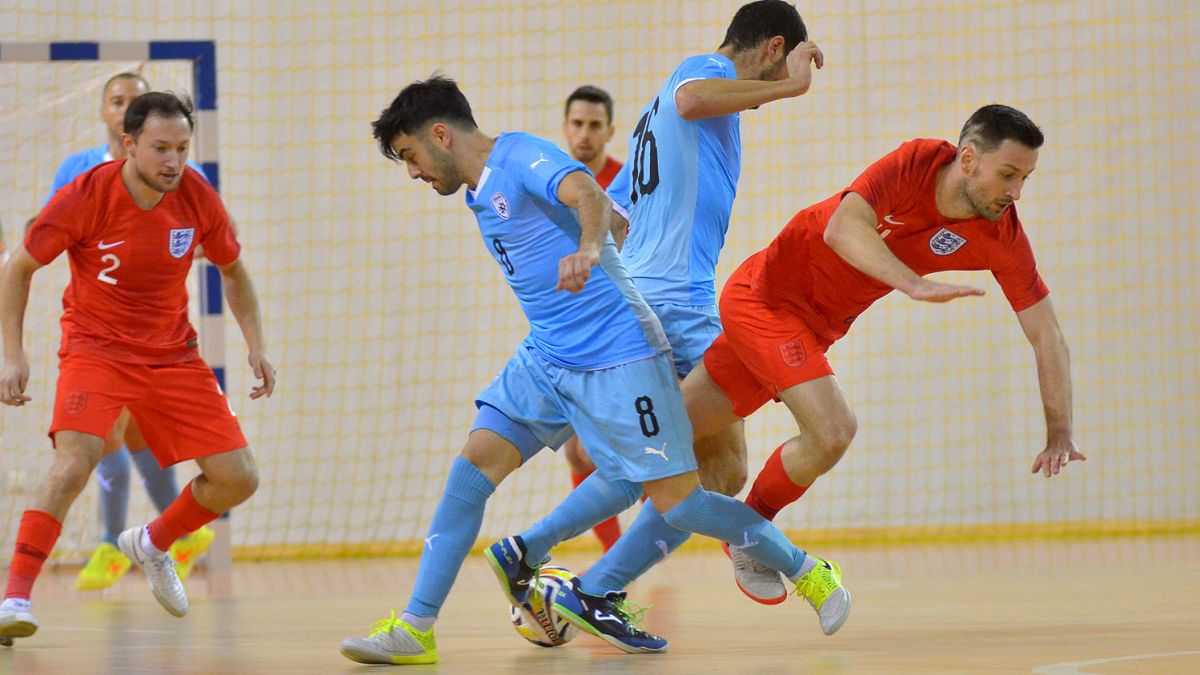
x=595 y=361
x=107 y=563
x=677 y=190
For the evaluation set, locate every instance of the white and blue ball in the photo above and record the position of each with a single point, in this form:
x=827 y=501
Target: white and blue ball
x=535 y=619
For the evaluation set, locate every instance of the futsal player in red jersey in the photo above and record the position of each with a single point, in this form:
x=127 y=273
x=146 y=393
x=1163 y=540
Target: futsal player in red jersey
x=926 y=207
x=588 y=127
x=129 y=228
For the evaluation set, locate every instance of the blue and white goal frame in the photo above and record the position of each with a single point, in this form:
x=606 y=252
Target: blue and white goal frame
x=203 y=56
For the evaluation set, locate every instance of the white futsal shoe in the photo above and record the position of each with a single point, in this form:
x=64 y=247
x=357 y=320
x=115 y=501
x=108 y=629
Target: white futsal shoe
x=159 y=570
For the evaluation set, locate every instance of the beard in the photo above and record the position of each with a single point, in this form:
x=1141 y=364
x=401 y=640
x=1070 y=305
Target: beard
x=985 y=208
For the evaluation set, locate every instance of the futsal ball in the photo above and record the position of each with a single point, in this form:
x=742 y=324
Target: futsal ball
x=535 y=619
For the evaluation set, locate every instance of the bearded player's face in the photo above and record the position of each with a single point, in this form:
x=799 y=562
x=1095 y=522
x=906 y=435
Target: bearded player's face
x=160 y=151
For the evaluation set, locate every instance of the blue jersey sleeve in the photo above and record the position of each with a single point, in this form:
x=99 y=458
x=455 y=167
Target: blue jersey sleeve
x=542 y=168
x=706 y=67
x=200 y=170
x=67 y=171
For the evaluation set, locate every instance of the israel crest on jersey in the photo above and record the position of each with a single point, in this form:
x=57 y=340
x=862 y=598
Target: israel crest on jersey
x=945 y=242
x=181 y=241
x=500 y=204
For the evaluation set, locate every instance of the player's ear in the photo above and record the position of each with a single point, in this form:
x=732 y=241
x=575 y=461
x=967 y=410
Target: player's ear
x=128 y=143
x=776 y=49
x=967 y=156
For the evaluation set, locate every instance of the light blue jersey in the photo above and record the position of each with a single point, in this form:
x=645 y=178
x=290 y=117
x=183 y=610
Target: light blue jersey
x=528 y=230
x=678 y=188
x=85 y=160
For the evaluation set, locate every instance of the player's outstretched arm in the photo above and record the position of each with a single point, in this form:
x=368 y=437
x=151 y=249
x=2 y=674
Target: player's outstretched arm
x=581 y=192
x=851 y=234
x=1054 y=377
x=243 y=302
x=713 y=97
x=17 y=275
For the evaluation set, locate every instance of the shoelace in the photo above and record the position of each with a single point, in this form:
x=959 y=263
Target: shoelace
x=385 y=625
x=816 y=582
x=631 y=613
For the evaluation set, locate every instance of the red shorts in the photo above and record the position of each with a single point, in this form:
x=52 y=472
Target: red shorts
x=179 y=407
x=763 y=350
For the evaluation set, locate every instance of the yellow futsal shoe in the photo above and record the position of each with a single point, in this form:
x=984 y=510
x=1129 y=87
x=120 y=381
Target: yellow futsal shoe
x=106 y=565
x=187 y=550
x=394 y=642
x=822 y=587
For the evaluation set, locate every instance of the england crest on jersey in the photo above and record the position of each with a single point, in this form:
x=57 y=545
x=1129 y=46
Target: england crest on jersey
x=181 y=241
x=945 y=242
x=500 y=204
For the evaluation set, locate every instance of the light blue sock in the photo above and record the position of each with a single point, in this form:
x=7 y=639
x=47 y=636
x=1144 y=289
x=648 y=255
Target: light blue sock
x=648 y=541
x=159 y=482
x=726 y=519
x=593 y=502
x=112 y=473
x=454 y=528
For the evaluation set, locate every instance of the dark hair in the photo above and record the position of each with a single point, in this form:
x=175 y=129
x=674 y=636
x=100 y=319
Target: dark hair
x=591 y=94
x=437 y=99
x=992 y=124
x=161 y=103
x=763 y=20
x=127 y=75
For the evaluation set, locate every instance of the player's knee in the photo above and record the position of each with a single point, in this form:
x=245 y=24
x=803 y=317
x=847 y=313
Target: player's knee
x=835 y=438
x=245 y=483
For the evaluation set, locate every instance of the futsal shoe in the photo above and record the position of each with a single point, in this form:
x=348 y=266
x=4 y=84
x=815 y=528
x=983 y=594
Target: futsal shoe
x=822 y=587
x=159 y=570
x=392 y=641
x=759 y=582
x=16 y=620
x=507 y=560
x=106 y=565
x=187 y=550
x=609 y=618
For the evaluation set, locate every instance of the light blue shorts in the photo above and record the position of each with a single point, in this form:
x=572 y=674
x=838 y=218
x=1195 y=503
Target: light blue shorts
x=690 y=330
x=630 y=417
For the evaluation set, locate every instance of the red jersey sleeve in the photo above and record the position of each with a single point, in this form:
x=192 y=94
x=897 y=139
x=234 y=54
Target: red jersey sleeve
x=886 y=184
x=62 y=222
x=1014 y=267
x=220 y=244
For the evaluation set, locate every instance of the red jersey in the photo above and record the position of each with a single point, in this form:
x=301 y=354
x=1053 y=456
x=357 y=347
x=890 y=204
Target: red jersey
x=799 y=271
x=127 y=300
x=609 y=172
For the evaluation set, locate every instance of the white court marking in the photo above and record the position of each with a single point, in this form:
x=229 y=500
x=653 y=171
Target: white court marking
x=1073 y=667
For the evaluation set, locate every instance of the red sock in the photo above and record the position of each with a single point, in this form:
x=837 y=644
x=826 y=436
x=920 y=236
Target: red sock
x=607 y=532
x=35 y=539
x=183 y=516
x=772 y=489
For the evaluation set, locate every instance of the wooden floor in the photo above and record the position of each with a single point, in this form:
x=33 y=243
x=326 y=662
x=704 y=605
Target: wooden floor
x=1122 y=605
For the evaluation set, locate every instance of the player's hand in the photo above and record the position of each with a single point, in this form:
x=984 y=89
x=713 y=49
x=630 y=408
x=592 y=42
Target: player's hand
x=927 y=290
x=13 y=379
x=800 y=58
x=1055 y=457
x=575 y=269
x=264 y=371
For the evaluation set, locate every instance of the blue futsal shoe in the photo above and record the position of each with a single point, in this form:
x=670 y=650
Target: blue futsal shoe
x=610 y=618
x=507 y=560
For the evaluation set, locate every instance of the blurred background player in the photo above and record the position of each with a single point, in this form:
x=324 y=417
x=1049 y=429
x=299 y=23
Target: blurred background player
x=125 y=441
x=926 y=207
x=678 y=188
x=129 y=228
x=588 y=127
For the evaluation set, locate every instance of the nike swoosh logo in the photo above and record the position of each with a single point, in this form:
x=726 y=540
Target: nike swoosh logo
x=826 y=564
x=891 y=221
x=103 y=245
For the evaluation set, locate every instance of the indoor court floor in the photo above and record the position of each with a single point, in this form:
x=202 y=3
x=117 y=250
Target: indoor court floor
x=1114 y=605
